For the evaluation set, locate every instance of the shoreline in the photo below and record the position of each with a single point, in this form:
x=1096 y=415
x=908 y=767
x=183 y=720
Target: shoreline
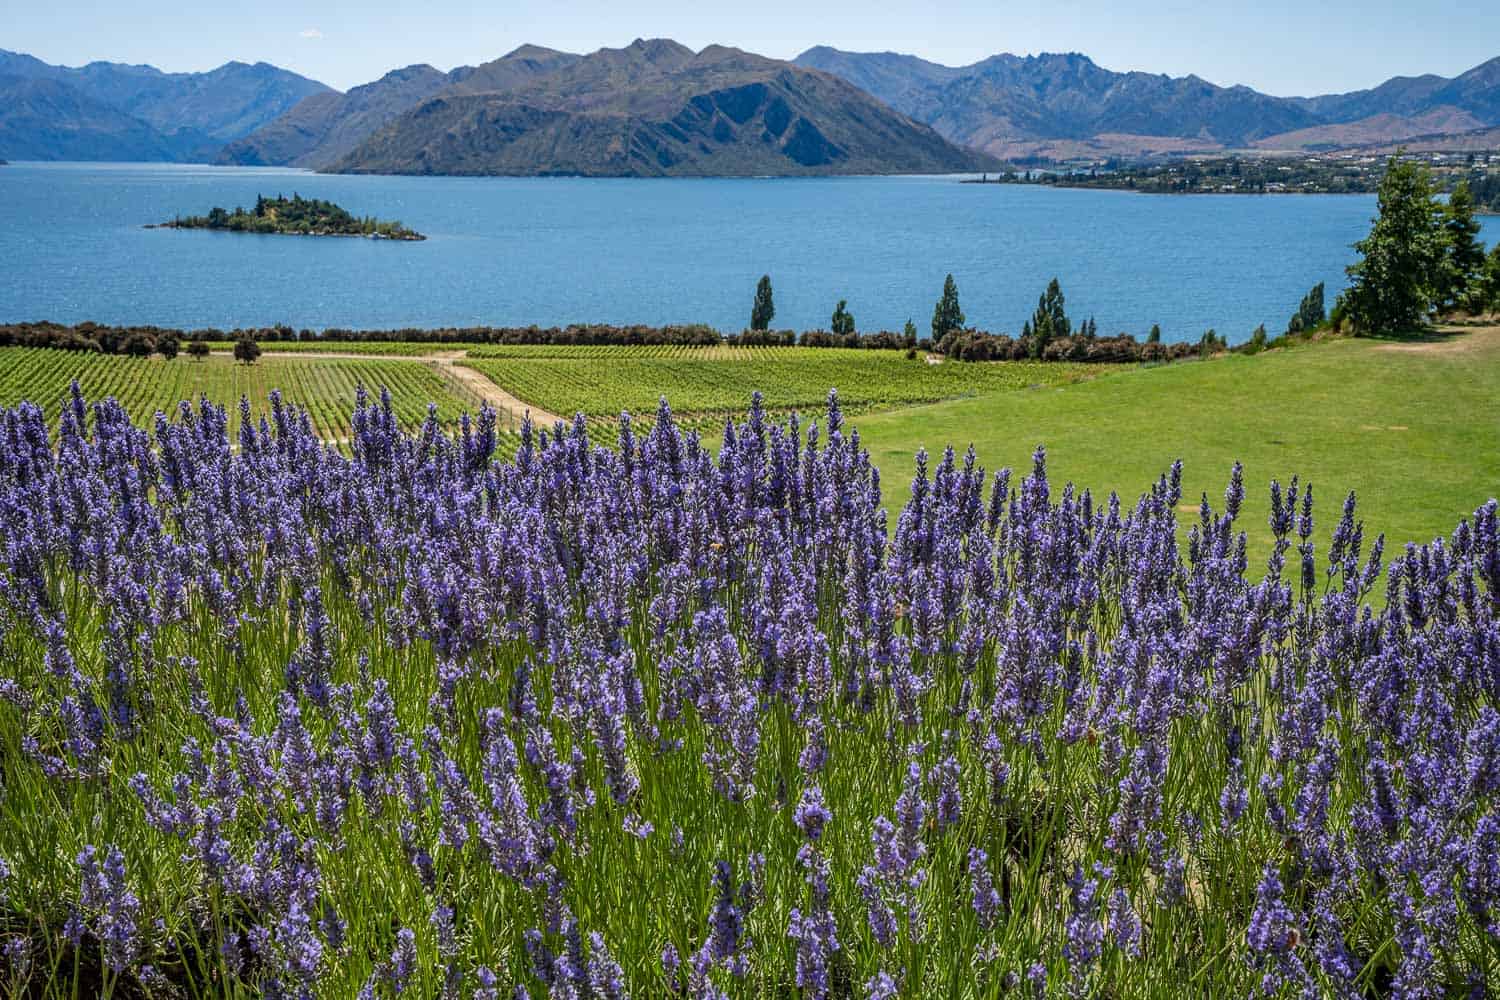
x=413 y=238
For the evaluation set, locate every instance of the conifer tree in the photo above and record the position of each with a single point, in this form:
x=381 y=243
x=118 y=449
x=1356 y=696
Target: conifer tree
x=764 y=309
x=946 y=315
x=842 y=323
x=1489 y=286
x=1396 y=280
x=1050 y=319
x=1311 y=312
x=1464 y=266
x=1154 y=337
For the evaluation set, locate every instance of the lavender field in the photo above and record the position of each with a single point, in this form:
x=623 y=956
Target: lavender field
x=404 y=719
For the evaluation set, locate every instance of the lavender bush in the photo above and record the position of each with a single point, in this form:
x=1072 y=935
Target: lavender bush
x=588 y=723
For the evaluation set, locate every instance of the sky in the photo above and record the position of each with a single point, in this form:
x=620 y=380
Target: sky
x=1282 y=48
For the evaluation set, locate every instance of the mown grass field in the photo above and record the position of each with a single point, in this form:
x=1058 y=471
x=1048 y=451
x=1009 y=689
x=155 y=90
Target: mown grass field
x=1412 y=428
x=325 y=386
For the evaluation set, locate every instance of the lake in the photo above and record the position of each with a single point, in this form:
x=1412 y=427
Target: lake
x=552 y=251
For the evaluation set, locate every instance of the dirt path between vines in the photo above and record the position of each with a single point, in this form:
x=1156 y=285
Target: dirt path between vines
x=467 y=382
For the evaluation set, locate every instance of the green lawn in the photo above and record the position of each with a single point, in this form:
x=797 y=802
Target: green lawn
x=1413 y=429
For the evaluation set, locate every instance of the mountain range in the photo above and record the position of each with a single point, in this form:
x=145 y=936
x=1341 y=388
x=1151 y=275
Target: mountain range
x=1057 y=106
x=114 y=111
x=653 y=108
x=656 y=107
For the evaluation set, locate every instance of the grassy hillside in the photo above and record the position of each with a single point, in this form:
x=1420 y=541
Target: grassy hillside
x=1413 y=428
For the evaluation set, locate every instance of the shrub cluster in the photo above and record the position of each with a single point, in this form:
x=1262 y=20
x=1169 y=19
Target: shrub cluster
x=976 y=345
x=91 y=337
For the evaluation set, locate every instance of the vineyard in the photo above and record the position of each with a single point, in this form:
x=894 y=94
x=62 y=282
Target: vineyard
x=326 y=387
x=713 y=381
x=382 y=348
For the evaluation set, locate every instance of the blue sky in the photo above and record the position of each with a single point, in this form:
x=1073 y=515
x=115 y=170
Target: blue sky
x=1276 y=46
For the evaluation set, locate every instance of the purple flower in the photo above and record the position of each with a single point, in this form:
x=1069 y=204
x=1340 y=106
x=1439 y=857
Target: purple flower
x=811 y=813
x=881 y=987
x=403 y=960
x=605 y=977
x=986 y=899
x=1274 y=936
x=112 y=910
x=1084 y=929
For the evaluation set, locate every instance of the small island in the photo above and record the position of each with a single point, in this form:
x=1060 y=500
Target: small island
x=294 y=216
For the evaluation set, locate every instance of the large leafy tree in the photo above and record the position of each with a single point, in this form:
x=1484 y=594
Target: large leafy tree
x=946 y=315
x=246 y=350
x=1398 y=277
x=1464 y=264
x=764 y=309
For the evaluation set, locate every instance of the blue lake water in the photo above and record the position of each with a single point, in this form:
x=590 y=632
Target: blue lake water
x=516 y=251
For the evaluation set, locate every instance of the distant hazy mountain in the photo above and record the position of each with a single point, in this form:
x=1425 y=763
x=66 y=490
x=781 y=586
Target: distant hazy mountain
x=47 y=120
x=655 y=108
x=1061 y=105
x=184 y=115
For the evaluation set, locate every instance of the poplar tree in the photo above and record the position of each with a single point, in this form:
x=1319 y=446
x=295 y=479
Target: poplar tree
x=764 y=309
x=843 y=321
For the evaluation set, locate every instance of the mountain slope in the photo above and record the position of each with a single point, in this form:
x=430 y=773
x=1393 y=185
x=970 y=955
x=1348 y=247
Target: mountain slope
x=190 y=114
x=323 y=128
x=326 y=126
x=656 y=108
x=49 y=120
x=1036 y=105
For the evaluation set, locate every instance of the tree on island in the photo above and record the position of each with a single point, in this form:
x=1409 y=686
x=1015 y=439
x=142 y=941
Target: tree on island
x=843 y=321
x=946 y=315
x=764 y=309
x=1399 y=274
x=246 y=350
x=197 y=349
x=1463 y=269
